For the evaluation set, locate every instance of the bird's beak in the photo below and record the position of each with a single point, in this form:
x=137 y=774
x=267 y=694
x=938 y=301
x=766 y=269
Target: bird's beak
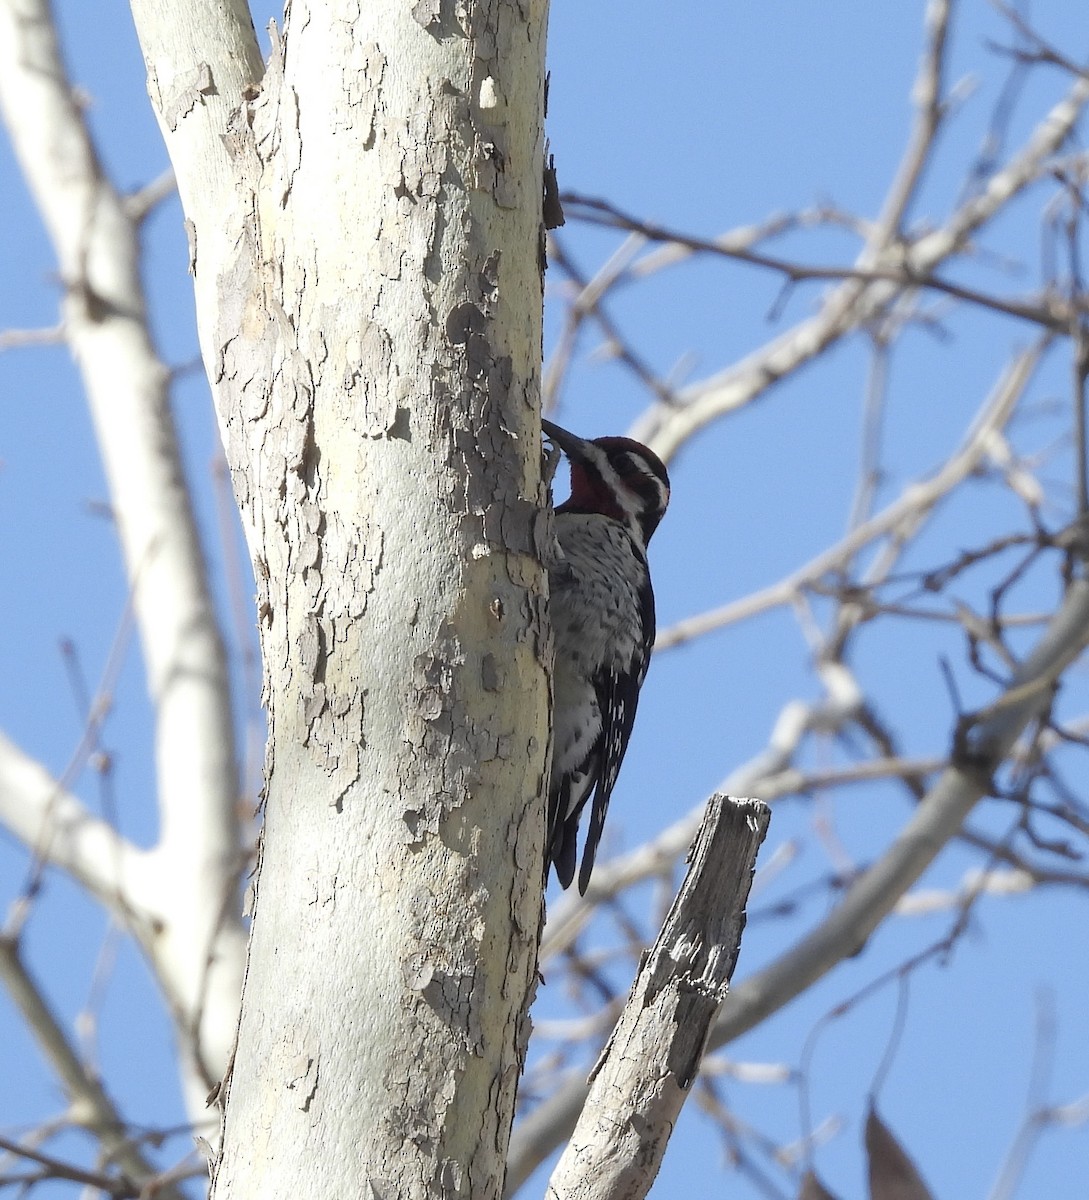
x=574 y=447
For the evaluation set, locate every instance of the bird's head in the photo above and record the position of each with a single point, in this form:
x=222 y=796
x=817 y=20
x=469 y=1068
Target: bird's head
x=616 y=477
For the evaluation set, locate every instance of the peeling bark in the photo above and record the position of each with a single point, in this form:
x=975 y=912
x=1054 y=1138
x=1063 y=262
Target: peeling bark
x=366 y=219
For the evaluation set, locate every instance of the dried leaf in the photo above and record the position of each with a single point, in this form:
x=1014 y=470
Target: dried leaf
x=813 y=1189
x=892 y=1174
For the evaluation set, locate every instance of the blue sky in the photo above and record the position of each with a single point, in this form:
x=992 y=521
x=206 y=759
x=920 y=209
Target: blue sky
x=703 y=117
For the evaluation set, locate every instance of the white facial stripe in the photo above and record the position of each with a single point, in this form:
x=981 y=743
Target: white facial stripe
x=635 y=488
x=634 y=501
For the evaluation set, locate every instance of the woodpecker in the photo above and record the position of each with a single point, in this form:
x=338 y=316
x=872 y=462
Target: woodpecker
x=602 y=610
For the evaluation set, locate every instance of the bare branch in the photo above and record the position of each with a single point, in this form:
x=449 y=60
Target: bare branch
x=202 y=57
x=16 y=339
x=140 y=204
x=91 y=1106
x=1042 y=50
x=59 y=829
x=642 y=1078
x=1049 y=311
x=55 y=1168
x=929 y=103
x=917 y=501
x=590 y=302
x=855 y=302
x=935 y=821
x=105 y=319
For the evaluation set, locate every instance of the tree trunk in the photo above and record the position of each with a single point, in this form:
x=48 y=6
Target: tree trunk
x=365 y=217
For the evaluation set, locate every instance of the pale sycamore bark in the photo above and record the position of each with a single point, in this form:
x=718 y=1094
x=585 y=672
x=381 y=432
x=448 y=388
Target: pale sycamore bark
x=365 y=218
